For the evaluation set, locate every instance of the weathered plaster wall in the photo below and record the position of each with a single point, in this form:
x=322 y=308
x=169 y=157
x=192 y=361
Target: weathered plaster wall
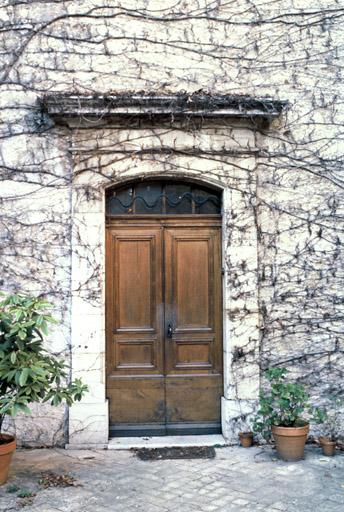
x=285 y=203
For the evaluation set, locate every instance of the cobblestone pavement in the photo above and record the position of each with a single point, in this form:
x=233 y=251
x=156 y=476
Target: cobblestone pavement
x=237 y=479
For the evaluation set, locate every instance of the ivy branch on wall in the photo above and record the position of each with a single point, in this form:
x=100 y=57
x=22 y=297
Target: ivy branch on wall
x=248 y=47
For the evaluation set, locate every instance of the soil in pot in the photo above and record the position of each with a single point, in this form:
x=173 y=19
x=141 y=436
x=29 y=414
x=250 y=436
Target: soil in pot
x=328 y=446
x=290 y=441
x=246 y=439
x=7 y=447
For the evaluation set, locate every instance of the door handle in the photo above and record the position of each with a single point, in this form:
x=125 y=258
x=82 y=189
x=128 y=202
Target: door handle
x=169 y=331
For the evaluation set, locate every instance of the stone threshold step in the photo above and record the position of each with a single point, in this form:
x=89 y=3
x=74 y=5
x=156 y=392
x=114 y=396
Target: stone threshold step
x=126 y=443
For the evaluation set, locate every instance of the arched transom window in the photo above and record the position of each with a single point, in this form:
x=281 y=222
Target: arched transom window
x=163 y=198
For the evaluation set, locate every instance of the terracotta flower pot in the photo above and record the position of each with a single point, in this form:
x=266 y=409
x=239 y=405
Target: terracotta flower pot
x=290 y=441
x=246 y=439
x=7 y=447
x=328 y=446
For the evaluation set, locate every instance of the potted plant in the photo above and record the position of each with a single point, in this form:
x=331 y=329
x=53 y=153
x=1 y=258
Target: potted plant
x=328 y=445
x=28 y=373
x=246 y=438
x=282 y=411
x=331 y=426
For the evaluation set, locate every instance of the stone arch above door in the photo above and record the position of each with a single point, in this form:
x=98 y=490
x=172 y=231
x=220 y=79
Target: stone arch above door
x=94 y=173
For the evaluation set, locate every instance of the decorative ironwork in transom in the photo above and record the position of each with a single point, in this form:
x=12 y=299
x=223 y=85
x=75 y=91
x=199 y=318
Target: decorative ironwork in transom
x=163 y=198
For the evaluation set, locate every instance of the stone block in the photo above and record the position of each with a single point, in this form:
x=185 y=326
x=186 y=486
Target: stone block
x=89 y=367
x=236 y=416
x=88 y=229
x=44 y=427
x=88 y=424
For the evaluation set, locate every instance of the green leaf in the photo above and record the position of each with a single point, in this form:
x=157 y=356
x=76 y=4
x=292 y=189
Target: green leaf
x=13 y=357
x=22 y=334
x=56 y=400
x=18 y=314
x=23 y=376
x=44 y=327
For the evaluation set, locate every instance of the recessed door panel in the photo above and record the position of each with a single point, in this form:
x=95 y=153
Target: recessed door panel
x=194 y=354
x=193 y=399
x=135 y=354
x=136 y=401
x=192 y=294
x=135 y=305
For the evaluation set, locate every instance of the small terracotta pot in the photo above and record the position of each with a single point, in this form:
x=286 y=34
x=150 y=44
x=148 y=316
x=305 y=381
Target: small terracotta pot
x=290 y=441
x=246 y=439
x=328 y=446
x=323 y=439
x=6 y=451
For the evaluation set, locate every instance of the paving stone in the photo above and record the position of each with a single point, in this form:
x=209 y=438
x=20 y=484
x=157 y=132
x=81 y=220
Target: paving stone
x=240 y=501
x=279 y=506
x=232 y=482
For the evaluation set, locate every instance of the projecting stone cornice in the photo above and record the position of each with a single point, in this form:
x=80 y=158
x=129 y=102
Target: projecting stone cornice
x=149 y=105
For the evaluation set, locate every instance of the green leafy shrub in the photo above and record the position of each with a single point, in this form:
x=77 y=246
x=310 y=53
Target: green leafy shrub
x=12 y=488
x=332 y=423
x=28 y=373
x=284 y=404
x=25 y=493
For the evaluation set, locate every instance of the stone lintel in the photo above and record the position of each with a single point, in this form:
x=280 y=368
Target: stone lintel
x=64 y=105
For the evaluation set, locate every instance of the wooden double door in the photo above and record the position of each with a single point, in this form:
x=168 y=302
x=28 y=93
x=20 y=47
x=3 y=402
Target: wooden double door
x=164 y=325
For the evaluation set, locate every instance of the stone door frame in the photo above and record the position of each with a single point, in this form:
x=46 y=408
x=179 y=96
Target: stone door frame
x=88 y=420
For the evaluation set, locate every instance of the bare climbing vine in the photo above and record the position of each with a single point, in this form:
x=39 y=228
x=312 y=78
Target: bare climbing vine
x=286 y=176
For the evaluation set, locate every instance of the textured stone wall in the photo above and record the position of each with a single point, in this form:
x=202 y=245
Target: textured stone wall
x=283 y=211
